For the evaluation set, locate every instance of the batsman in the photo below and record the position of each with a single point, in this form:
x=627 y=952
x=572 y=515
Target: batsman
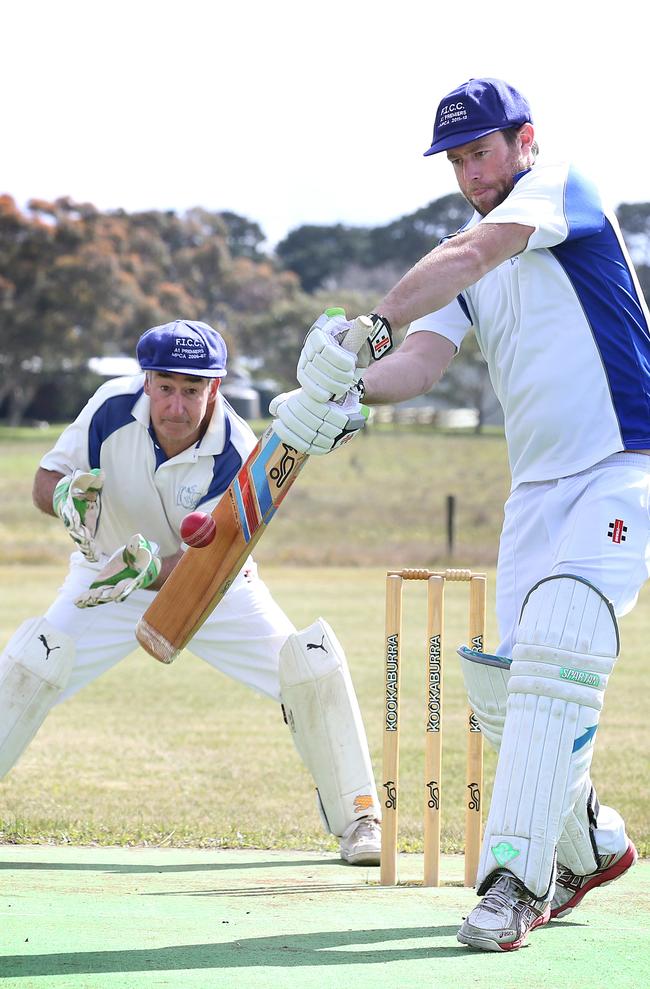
x=540 y=273
x=144 y=453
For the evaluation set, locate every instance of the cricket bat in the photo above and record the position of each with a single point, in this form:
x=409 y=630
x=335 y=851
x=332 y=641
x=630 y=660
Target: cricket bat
x=200 y=579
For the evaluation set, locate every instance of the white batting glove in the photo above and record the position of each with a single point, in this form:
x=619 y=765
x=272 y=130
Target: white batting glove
x=317 y=427
x=77 y=502
x=131 y=567
x=325 y=370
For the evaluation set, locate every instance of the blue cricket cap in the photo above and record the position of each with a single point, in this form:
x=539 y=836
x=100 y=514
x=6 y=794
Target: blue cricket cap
x=183 y=347
x=477 y=108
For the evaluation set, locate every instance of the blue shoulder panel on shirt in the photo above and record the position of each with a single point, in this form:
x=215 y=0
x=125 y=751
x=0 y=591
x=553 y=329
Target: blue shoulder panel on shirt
x=583 y=207
x=226 y=465
x=109 y=417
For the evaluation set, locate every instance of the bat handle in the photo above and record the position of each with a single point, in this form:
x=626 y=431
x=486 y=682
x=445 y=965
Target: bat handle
x=357 y=334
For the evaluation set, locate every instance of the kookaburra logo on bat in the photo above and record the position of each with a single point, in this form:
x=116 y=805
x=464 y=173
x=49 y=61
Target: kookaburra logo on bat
x=282 y=471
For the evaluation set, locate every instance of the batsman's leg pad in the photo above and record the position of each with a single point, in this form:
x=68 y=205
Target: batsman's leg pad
x=34 y=668
x=566 y=646
x=486 y=681
x=321 y=709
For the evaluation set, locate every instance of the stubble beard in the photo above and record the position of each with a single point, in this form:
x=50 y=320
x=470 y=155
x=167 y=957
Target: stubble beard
x=502 y=192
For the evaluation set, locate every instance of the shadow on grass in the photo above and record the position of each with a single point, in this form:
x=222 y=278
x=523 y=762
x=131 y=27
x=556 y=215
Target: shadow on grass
x=285 y=951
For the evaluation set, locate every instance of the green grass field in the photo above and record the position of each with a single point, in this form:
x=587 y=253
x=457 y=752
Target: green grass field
x=180 y=756
x=379 y=500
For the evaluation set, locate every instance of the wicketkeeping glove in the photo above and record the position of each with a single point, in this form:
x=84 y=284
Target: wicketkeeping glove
x=131 y=567
x=325 y=370
x=317 y=427
x=77 y=502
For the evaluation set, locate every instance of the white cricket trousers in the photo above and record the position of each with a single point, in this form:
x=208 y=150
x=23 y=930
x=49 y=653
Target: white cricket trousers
x=241 y=638
x=595 y=524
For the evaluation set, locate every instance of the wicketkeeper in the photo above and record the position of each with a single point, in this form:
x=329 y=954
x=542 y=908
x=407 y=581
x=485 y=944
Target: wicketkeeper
x=143 y=453
x=541 y=274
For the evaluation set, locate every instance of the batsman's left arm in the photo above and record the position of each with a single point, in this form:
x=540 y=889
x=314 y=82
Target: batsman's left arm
x=410 y=371
x=450 y=268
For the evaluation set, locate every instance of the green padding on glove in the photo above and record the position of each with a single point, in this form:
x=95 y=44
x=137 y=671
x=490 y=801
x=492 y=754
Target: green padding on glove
x=133 y=567
x=77 y=502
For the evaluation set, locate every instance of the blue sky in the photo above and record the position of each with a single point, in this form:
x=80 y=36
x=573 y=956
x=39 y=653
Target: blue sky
x=293 y=113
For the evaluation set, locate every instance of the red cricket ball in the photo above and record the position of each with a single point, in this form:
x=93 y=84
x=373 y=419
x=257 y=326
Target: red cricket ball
x=198 y=529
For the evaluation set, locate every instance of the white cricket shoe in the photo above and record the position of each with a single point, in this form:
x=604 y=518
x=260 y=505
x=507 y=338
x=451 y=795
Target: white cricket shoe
x=570 y=888
x=361 y=842
x=504 y=917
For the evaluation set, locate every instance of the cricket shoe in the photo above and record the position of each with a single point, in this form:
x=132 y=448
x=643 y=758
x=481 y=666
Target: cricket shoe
x=504 y=917
x=361 y=842
x=570 y=889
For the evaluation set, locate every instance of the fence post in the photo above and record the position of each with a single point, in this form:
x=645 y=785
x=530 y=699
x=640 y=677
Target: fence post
x=451 y=524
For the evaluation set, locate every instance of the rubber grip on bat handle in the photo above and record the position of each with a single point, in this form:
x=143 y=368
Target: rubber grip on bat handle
x=357 y=334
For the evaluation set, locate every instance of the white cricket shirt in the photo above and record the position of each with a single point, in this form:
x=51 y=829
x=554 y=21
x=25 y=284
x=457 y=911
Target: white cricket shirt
x=143 y=490
x=563 y=327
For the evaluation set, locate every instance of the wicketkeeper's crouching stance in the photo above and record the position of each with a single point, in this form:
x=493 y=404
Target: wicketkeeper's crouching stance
x=143 y=453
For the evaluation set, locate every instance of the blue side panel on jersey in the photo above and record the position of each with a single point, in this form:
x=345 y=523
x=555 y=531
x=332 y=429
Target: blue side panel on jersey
x=583 y=207
x=225 y=466
x=463 y=305
x=601 y=279
x=241 y=511
x=258 y=473
x=109 y=417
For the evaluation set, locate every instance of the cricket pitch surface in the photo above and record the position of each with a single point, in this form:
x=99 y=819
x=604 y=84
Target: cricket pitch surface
x=126 y=918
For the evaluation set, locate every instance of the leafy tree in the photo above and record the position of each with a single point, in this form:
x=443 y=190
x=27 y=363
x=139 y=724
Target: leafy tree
x=273 y=337
x=332 y=256
x=243 y=237
x=78 y=283
x=408 y=239
x=319 y=253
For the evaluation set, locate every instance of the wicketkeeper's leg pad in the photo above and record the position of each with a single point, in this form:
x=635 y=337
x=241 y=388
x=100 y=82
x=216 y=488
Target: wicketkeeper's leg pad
x=321 y=709
x=566 y=646
x=34 y=668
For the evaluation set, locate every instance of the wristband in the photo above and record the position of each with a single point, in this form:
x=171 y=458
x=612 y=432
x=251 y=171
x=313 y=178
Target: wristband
x=381 y=338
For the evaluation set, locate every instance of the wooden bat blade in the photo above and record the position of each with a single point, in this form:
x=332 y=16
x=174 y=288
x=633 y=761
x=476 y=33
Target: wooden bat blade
x=202 y=577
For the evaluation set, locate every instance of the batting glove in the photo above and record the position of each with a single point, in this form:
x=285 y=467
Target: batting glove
x=130 y=568
x=77 y=502
x=325 y=370
x=317 y=427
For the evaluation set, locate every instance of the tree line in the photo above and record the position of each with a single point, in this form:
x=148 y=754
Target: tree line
x=76 y=283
